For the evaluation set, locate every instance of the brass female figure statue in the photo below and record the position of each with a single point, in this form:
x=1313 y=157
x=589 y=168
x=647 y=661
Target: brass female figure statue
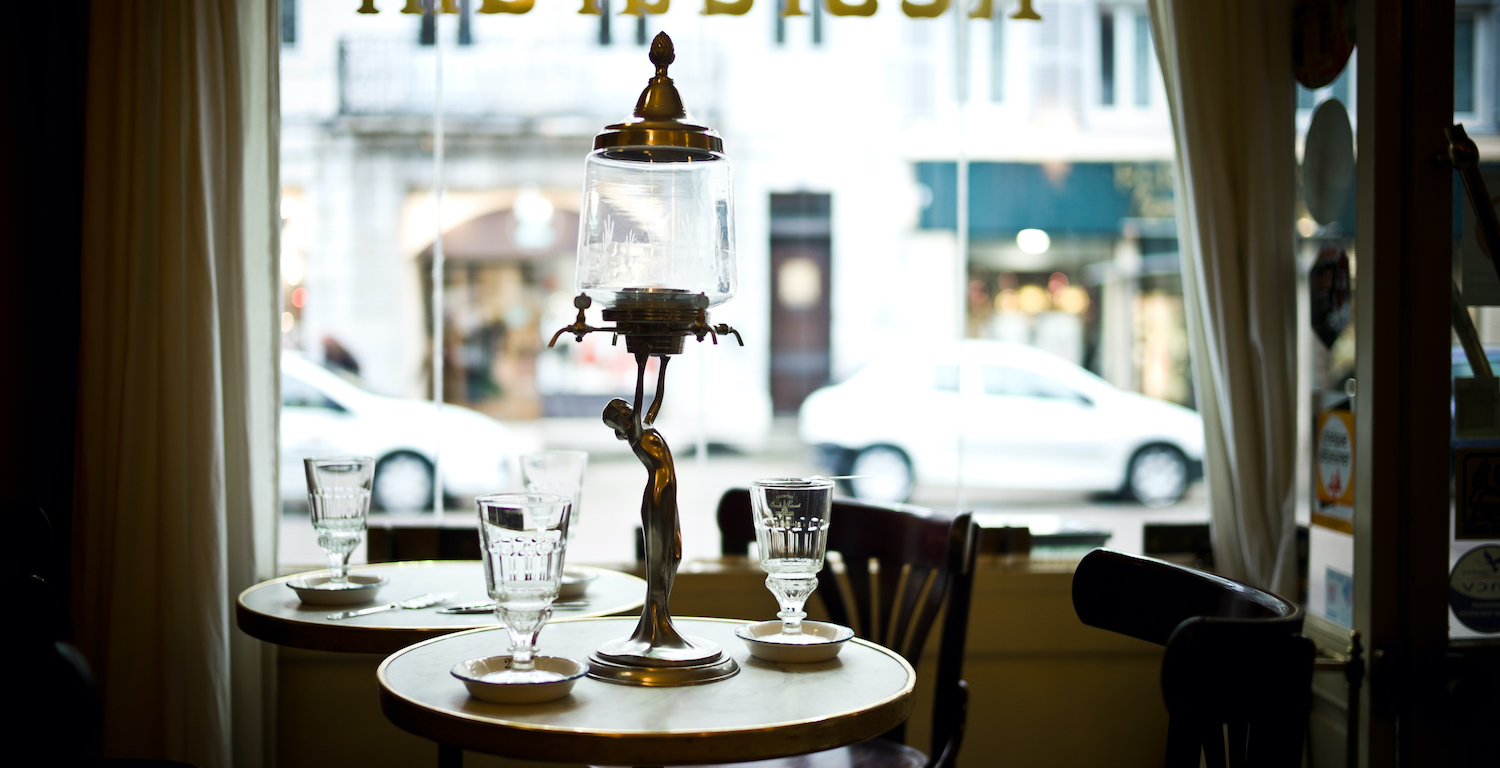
x=655 y=638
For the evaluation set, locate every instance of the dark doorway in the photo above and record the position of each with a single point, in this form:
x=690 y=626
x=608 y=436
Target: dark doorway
x=800 y=250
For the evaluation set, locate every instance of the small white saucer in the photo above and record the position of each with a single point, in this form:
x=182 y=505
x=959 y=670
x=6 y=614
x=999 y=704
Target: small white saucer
x=317 y=590
x=758 y=636
x=575 y=583
x=473 y=672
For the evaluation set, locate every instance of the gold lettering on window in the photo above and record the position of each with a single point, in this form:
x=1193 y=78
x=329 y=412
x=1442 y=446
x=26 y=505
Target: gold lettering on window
x=841 y=8
x=644 y=8
x=506 y=6
x=930 y=10
x=982 y=9
x=726 y=7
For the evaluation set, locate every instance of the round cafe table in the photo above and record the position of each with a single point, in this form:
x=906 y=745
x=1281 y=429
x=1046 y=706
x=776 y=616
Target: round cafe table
x=270 y=610
x=767 y=710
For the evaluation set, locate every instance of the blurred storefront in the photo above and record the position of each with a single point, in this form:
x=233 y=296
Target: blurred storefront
x=1076 y=258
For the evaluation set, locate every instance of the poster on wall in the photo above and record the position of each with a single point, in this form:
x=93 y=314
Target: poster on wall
x=1333 y=465
x=1476 y=494
x=1474 y=589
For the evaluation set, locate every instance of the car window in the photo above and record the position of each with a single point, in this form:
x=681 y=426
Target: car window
x=296 y=393
x=945 y=378
x=1015 y=382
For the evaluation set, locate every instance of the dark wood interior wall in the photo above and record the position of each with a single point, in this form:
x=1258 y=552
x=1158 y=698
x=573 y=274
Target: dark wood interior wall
x=1401 y=519
x=43 y=63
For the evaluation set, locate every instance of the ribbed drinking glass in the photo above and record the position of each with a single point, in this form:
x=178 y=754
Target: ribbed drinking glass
x=559 y=472
x=338 y=496
x=523 y=540
x=791 y=530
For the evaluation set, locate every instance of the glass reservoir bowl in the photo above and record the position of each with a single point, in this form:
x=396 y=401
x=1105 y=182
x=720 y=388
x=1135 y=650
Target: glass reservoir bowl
x=656 y=220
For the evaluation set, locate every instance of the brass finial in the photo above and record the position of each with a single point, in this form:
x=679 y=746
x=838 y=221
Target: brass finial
x=660 y=102
x=662 y=54
x=660 y=124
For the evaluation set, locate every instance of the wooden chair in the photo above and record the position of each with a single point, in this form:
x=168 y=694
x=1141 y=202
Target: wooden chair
x=902 y=566
x=1234 y=656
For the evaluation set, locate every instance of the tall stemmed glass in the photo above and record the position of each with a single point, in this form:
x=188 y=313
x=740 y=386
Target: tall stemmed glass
x=791 y=529
x=558 y=472
x=524 y=538
x=338 y=495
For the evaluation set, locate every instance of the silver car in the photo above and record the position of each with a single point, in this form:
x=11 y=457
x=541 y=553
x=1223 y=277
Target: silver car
x=1012 y=416
x=323 y=414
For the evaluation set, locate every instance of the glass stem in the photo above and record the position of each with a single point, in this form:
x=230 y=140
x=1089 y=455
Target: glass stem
x=523 y=627
x=791 y=618
x=522 y=651
x=338 y=566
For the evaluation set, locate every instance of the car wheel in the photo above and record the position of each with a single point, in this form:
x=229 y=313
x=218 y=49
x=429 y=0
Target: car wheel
x=1158 y=475
x=403 y=483
x=883 y=473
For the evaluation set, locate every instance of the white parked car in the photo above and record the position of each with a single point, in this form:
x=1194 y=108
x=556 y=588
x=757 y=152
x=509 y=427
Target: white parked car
x=1027 y=420
x=323 y=414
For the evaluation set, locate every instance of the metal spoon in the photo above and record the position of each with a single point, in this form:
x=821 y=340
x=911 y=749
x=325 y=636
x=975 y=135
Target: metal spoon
x=420 y=601
x=490 y=607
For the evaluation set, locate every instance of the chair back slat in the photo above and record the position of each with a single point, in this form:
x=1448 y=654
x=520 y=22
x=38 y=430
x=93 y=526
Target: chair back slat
x=909 y=546
x=922 y=593
x=836 y=602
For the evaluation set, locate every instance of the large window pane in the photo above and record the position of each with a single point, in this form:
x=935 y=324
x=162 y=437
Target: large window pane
x=842 y=134
x=1145 y=60
x=1463 y=64
x=1107 y=58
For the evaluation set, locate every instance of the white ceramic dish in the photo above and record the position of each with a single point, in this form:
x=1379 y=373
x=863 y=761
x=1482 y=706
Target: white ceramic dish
x=473 y=672
x=316 y=590
x=754 y=636
x=575 y=583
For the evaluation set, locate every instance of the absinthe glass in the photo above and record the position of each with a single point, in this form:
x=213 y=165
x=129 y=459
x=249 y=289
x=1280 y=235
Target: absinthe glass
x=524 y=538
x=338 y=499
x=791 y=531
x=656 y=225
x=559 y=472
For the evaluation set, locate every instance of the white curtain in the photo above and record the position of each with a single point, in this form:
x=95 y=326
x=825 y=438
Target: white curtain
x=175 y=468
x=1227 y=67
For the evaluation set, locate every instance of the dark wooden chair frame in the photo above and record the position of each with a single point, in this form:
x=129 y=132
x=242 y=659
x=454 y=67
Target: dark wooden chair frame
x=902 y=566
x=1234 y=655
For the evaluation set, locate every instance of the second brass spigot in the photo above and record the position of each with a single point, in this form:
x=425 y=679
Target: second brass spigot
x=579 y=328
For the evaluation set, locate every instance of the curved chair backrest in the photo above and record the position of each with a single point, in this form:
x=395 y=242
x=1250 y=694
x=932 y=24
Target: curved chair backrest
x=902 y=565
x=1233 y=656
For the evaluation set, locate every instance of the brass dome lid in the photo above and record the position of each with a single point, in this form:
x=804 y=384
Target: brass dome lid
x=660 y=131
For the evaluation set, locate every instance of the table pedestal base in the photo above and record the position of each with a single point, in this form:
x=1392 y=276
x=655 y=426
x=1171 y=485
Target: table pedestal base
x=710 y=671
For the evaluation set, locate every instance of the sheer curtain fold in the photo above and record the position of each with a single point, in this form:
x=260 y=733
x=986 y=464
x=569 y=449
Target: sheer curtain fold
x=176 y=411
x=1227 y=69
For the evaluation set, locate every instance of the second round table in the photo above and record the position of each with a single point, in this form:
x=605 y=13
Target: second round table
x=270 y=610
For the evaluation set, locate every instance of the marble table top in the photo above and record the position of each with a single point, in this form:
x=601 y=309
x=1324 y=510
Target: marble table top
x=767 y=710
x=271 y=611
